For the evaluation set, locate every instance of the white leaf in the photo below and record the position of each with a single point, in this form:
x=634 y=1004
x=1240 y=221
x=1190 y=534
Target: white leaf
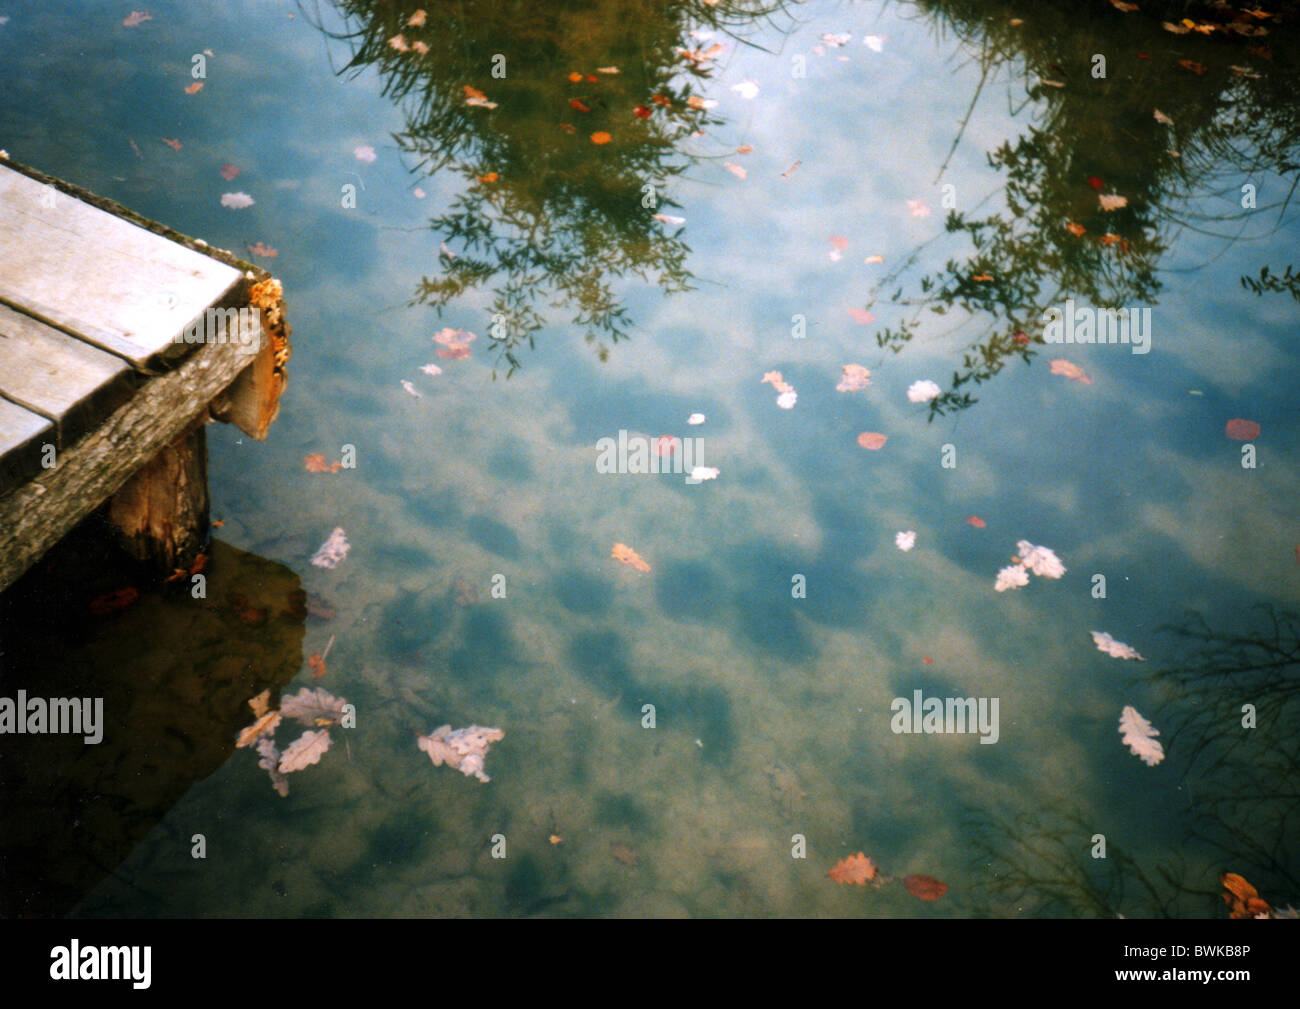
x=1042 y=561
x=701 y=473
x=876 y=43
x=332 y=550
x=304 y=751
x=787 y=400
x=1011 y=577
x=364 y=153
x=695 y=418
x=1137 y=734
x=1117 y=649
x=922 y=391
x=236 y=201
x=905 y=541
x=746 y=89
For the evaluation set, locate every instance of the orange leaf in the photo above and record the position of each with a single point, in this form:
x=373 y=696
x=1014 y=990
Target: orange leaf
x=925 y=887
x=1075 y=228
x=601 y=137
x=872 y=440
x=1242 y=430
x=315 y=463
x=577 y=104
x=623 y=552
x=316 y=663
x=174 y=144
x=855 y=869
x=1060 y=366
x=975 y=521
x=575 y=77
x=489 y=177
x=194 y=88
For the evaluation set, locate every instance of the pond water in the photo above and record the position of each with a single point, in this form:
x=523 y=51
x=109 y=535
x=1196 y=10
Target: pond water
x=903 y=187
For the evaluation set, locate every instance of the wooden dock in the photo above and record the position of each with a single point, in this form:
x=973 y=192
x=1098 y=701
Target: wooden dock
x=119 y=340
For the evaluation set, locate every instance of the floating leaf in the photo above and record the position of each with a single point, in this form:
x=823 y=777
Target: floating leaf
x=1012 y=577
x=263 y=726
x=1116 y=649
x=135 y=18
x=861 y=316
x=905 y=540
x=1110 y=201
x=455 y=342
x=314 y=708
x=261 y=703
x=315 y=463
x=475 y=97
x=1138 y=735
x=695 y=418
x=229 y=171
x=236 y=201
x=1242 y=430
x=623 y=552
x=1243 y=900
x=364 y=152
x=746 y=89
x=173 y=143
x=304 y=751
x=923 y=391
x=856 y=870
x=464 y=749
x=918 y=208
x=579 y=105
x=316 y=663
x=735 y=170
x=925 y=887
x=194 y=89
x=1163 y=119
x=1076 y=229
x=600 y=137
x=641 y=111
x=1060 y=366
x=975 y=522
x=701 y=473
x=872 y=440
x=853 y=378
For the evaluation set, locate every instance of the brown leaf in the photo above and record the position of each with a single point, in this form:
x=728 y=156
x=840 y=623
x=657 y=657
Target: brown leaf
x=260 y=703
x=261 y=249
x=264 y=726
x=975 y=521
x=315 y=463
x=111 y=602
x=194 y=89
x=1242 y=430
x=1075 y=228
x=925 y=887
x=173 y=143
x=316 y=663
x=623 y=552
x=855 y=869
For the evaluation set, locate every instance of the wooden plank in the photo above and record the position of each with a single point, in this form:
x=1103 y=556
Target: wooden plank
x=38 y=514
x=22 y=435
x=100 y=277
x=64 y=380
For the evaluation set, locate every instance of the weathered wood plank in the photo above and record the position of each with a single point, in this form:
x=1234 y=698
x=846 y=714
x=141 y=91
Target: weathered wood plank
x=38 y=514
x=100 y=277
x=64 y=380
x=22 y=434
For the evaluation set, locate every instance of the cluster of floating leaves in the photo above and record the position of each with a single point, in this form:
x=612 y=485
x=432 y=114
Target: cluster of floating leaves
x=313 y=708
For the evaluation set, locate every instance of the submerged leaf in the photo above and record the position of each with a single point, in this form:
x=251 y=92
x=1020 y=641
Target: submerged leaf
x=925 y=887
x=623 y=552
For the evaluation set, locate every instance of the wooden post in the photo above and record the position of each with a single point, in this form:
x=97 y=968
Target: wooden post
x=161 y=513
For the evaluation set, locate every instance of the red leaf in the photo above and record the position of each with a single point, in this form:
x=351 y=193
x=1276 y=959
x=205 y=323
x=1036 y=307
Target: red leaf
x=1242 y=430
x=976 y=521
x=577 y=104
x=925 y=887
x=1095 y=182
x=111 y=602
x=228 y=172
x=641 y=112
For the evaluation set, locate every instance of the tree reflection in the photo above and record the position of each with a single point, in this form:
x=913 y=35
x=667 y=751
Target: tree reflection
x=516 y=99
x=1228 y=114
x=1242 y=785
